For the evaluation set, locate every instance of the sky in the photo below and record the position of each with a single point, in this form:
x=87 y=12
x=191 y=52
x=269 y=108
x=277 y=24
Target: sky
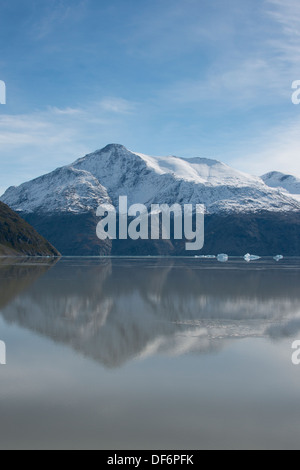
x=192 y=78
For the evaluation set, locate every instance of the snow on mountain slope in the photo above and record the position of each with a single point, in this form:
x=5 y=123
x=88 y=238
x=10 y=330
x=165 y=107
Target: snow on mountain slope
x=114 y=171
x=217 y=173
x=65 y=189
x=147 y=180
x=287 y=183
x=199 y=170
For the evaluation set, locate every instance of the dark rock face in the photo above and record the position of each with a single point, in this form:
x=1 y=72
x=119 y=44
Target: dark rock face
x=72 y=234
x=265 y=234
x=17 y=237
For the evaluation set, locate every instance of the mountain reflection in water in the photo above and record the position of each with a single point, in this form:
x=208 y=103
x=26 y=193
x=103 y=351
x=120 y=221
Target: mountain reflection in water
x=117 y=310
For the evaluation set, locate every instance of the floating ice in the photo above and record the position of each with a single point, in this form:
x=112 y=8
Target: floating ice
x=222 y=258
x=278 y=257
x=249 y=257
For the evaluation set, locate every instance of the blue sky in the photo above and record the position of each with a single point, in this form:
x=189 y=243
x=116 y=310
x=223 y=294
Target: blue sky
x=190 y=78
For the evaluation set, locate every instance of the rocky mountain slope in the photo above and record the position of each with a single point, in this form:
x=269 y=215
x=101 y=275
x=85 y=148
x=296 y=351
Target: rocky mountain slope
x=17 y=237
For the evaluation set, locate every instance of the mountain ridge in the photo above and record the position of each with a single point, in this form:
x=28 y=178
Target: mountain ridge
x=242 y=212
x=104 y=175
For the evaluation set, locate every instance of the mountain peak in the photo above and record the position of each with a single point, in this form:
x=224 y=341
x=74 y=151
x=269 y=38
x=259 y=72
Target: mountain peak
x=276 y=179
x=110 y=148
x=272 y=174
x=115 y=171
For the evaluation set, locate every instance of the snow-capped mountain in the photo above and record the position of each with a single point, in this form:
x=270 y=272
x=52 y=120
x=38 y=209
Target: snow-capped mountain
x=288 y=184
x=113 y=171
x=243 y=213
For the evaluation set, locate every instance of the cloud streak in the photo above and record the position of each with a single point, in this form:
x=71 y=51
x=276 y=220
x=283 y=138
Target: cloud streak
x=39 y=141
x=276 y=149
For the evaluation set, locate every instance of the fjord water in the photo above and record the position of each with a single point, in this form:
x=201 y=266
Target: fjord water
x=149 y=354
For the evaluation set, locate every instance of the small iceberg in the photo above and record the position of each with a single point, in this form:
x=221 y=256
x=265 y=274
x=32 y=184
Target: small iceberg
x=222 y=258
x=249 y=257
x=278 y=258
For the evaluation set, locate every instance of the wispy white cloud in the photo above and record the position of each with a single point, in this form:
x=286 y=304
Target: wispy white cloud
x=259 y=79
x=277 y=146
x=66 y=111
x=257 y=75
x=38 y=142
x=251 y=82
x=57 y=13
x=276 y=149
x=117 y=105
x=286 y=13
x=163 y=30
x=55 y=124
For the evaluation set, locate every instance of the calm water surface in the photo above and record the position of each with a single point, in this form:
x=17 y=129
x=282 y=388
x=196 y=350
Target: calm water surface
x=149 y=354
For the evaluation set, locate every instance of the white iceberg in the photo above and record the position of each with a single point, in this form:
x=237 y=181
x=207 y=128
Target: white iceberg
x=249 y=257
x=222 y=258
x=278 y=258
